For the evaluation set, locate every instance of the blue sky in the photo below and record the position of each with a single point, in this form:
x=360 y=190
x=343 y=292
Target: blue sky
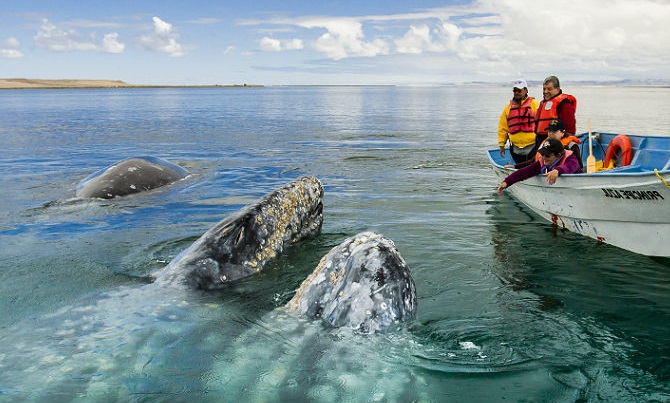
x=335 y=42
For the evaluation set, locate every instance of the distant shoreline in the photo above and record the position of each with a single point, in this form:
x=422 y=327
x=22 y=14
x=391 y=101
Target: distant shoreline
x=25 y=83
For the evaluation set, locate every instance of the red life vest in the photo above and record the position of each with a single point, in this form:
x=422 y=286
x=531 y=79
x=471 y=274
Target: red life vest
x=521 y=117
x=548 y=111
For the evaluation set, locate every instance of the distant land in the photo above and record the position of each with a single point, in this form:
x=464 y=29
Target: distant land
x=27 y=83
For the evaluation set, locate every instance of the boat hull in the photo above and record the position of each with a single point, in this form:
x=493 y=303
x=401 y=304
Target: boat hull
x=630 y=210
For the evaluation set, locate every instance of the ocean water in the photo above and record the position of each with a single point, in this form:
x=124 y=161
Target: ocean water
x=509 y=308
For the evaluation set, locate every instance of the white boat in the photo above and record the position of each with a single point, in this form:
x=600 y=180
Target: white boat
x=627 y=206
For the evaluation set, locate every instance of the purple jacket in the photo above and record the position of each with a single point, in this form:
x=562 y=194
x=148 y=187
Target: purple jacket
x=570 y=166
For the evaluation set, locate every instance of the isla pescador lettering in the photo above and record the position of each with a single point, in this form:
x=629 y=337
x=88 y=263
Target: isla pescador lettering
x=633 y=194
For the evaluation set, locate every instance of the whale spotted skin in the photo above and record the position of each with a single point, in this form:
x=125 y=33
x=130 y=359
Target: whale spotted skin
x=128 y=176
x=363 y=284
x=243 y=243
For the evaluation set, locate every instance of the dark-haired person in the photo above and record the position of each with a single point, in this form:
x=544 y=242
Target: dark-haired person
x=517 y=124
x=556 y=130
x=554 y=161
x=555 y=105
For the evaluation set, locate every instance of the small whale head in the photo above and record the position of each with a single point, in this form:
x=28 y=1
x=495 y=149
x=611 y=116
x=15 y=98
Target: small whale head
x=243 y=243
x=363 y=284
x=131 y=175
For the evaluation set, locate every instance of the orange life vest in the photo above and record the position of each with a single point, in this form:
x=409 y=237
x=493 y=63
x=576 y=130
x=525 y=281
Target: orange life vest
x=548 y=111
x=567 y=140
x=521 y=117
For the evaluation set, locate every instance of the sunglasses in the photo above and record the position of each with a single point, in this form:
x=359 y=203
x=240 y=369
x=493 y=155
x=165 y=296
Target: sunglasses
x=516 y=90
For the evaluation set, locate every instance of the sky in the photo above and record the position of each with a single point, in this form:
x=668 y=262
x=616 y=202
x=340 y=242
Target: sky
x=335 y=42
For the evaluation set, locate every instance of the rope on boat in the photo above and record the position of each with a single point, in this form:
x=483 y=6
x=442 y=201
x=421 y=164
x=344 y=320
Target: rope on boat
x=661 y=178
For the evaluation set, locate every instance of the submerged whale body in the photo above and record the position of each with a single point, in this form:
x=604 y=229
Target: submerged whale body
x=363 y=284
x=244 y=242
x=132 y=175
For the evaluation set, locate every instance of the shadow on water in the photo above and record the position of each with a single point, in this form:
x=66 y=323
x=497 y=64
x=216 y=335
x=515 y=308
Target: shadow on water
x=619 y=301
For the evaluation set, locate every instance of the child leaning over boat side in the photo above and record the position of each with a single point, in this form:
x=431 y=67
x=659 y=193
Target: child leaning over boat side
x=554 y=161
x=556 y=130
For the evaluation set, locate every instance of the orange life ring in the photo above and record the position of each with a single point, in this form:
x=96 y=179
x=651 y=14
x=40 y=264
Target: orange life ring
x=620 y=142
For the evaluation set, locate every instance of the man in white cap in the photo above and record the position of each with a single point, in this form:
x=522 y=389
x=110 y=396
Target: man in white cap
x=517 y=124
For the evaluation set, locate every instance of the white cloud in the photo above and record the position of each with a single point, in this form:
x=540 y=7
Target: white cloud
x=52 y=38
x=205 y=21
x=9 y=49
x=415 y=40
x=11 y=43
x=275 y=45
x=488 y=40
x=162 y=39
x=270 y=44
x=499 y=38
x=421 y=38
x=56 y=39
x=603 y=36
x=111 y=43
x=10 y=53
x=344 y=38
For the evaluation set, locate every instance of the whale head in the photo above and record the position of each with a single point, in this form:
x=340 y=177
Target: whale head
x=243 y=243
x=363 y=284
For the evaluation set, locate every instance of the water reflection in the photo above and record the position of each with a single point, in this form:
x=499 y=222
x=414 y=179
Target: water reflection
x=509 y=307
x=619 y=301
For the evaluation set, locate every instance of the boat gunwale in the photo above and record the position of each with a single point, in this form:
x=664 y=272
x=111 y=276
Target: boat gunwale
x=610 y=172
x=628 y=171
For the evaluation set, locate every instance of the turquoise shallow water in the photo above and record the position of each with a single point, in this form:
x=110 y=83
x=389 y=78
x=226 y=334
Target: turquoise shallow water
x=510 y=308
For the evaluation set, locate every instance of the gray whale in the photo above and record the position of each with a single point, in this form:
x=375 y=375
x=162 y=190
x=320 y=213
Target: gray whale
x=242 y=244
x=129 y=176
x=363 y=284
x=360 y=286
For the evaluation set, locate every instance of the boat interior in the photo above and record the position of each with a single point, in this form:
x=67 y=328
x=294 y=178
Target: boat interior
x=627 y=153
x=648 y=153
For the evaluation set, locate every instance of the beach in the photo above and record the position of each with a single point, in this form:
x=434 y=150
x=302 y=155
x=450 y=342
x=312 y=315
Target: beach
x=28 y=83
x=19 y=83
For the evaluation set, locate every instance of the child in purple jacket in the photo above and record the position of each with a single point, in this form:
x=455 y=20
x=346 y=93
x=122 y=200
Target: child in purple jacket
x=554 y=161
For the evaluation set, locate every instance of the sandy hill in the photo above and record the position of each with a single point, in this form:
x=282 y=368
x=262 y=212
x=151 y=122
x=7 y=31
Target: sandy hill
x=10 y=83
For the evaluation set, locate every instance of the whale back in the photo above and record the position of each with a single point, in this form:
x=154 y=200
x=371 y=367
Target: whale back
x=363 y=284
x=132 y=175
x=243 y=243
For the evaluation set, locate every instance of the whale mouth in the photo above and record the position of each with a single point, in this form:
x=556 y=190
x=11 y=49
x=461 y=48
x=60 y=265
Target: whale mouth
x=313 y=223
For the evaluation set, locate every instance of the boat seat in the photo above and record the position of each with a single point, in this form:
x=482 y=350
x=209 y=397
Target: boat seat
x=648 y=159
x=627 y=168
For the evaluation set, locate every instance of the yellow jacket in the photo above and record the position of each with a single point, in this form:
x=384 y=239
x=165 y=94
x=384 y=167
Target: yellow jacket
x=520 y=139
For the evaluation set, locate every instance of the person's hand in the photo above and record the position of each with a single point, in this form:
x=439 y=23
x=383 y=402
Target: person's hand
x=501 y=187
x=502 y=151
x=551 y=176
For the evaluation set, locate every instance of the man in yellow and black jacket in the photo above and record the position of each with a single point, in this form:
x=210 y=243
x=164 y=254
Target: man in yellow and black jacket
x=517 y=124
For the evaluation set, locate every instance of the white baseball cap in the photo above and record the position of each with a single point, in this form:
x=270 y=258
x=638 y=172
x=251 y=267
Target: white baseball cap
x=520 y=84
